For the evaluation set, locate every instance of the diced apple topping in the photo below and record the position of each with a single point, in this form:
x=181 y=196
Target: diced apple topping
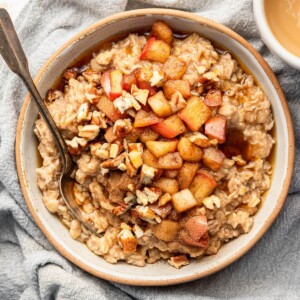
x=162 y=31
x=198 y=139
x=148 y=135
x=183 y=200
x=144 y=119
x=164 y=199
x=167 y=185
x=116 y=83
x=202 y=185
x=215 y=128
x=170 y=161
x=167 y=230
x=156 y=50
x=213 y=98
x=213 y=158
x=186 y=174
x=107 y=107
x=174 y=67
x=160 y=106
x=171 y=86
x=195 y=114
x=161 y=148
x=188 y=151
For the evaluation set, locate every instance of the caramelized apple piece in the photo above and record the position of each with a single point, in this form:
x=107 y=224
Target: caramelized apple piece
x=161 y=148
x=162 y=31
x=148 y=135
x=174 y=67
x=160 y=105
x=116 y=83
x=170 y=127
x=183 y=86
x=145 y=85
x=183 y=200
x=186 y=174
x=105 y=83
x=167 y=185
x=198 y=139
x=166 y=230
x=195 y=114
x=107 y=107
x=128 y=81
x=143 y=119
x=202 y=185
x=161 y=211
x=170 y=173
x=134 y=135
x=170 y=161
x=215 y=128
x=156 y=50
x=149 y=159
x=213 y=98
x=188 y=151
x=213 y=158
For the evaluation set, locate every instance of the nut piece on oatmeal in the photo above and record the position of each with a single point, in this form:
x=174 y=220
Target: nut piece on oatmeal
x=89 y=132
x=83 y=113
x=127 y=241
x=147 y=174
x=178 y=261
x=76 y=145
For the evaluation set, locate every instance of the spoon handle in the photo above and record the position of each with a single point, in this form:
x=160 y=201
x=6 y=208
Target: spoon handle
x=12 y=52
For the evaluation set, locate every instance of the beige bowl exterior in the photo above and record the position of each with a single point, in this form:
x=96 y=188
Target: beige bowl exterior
x=160 y=273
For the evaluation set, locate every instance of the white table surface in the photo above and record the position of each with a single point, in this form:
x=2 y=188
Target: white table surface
x=13 y=6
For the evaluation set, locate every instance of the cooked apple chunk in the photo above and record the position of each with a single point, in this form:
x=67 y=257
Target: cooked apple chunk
x=195 y=114
x=174 y=67
x=188 y=151
x=161 y=148
x=171 y=86
x=167 y=230
x=162 y=31
x=149 y=159
x=148 y=135
x=183 y=200
x=160 y=105
x=186 y=174
x=213 y=98
x=116 y=83
x=144 y=119
x=167 y=185
x=213 y=158
x=156 y=50
x=170 y=127
x=198 y=139
x=202 y=185
x=170 y=161
x=215 y=128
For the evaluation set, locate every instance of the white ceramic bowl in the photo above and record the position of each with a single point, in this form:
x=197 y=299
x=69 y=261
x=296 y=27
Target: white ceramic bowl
x=159 y=273
x=269 y=38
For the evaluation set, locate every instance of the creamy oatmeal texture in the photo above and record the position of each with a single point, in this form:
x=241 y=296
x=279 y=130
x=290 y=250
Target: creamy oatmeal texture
x=171 y=139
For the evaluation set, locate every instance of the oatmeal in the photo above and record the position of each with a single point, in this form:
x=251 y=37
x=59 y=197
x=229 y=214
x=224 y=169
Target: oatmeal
x=171 y=140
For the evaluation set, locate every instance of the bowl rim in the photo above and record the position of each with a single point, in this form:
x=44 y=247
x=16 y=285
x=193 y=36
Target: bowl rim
x=269 y=38
x=290 y=130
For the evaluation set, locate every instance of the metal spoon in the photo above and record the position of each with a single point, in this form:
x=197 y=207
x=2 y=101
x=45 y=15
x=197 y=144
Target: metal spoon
x=12 y=52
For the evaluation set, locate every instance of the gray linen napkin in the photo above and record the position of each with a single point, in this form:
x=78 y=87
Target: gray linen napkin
x=29 y=266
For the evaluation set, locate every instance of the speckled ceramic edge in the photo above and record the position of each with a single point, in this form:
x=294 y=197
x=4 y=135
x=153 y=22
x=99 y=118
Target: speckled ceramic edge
x=291 y=147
